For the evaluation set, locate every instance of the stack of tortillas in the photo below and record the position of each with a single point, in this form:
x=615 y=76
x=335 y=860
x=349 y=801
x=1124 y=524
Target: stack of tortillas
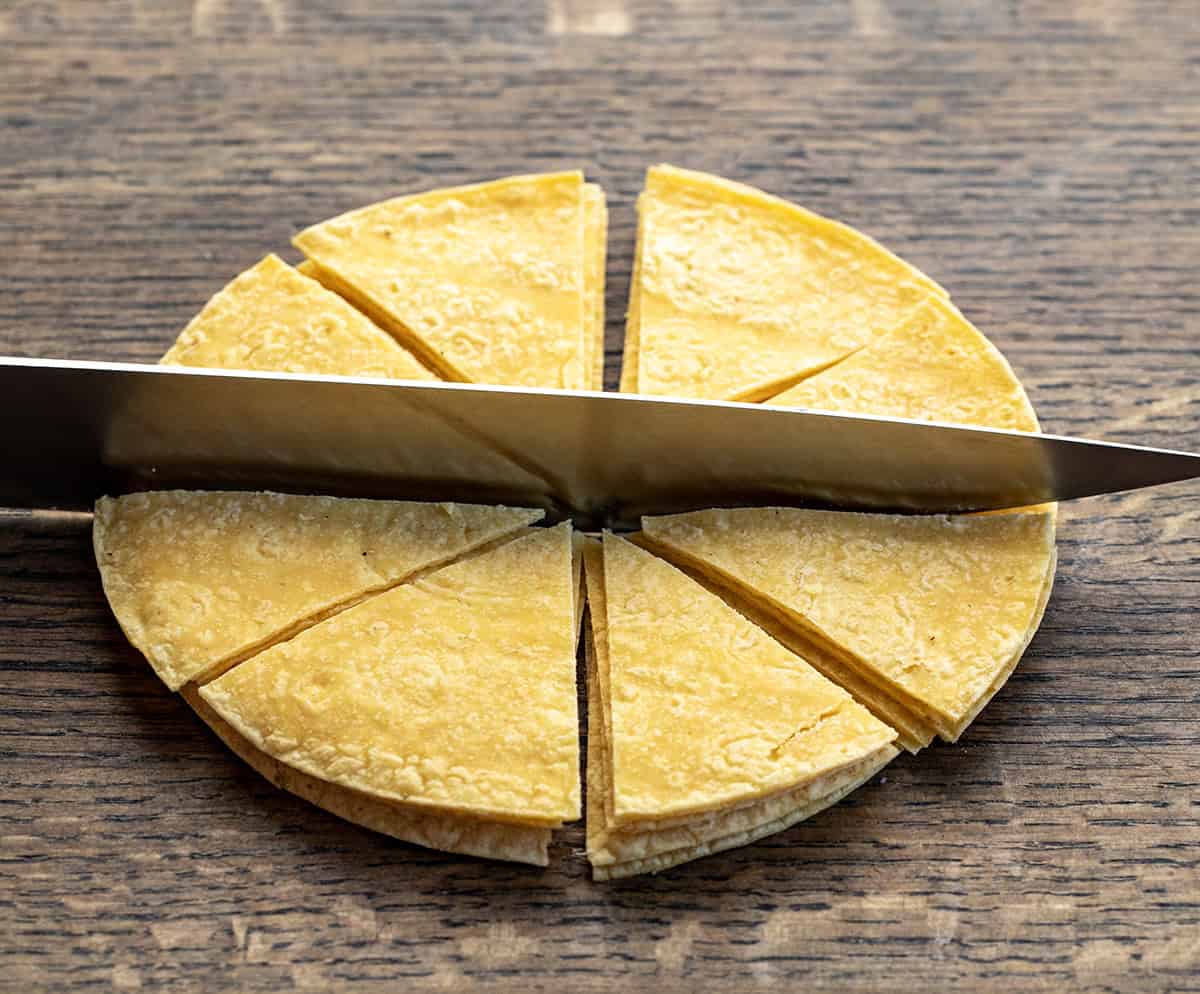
x=411 y=666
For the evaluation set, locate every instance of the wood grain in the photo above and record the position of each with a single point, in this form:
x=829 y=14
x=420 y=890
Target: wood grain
x=1040 y=159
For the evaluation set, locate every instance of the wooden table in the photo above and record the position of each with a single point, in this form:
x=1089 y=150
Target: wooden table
x=1041 y=159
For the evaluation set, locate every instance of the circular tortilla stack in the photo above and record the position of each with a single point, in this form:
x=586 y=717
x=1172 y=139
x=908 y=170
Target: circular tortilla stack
x=410 y=666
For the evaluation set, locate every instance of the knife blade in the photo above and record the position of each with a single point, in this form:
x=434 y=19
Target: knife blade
x=76 y=430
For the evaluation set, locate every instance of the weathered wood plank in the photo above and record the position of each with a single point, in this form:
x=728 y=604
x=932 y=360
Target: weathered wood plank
x=1038 y=158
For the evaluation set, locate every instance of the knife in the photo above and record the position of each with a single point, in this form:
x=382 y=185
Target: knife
x=76 y=430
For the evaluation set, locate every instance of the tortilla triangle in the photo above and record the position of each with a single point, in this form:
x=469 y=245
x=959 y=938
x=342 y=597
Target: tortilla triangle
x=453 y=693
x=703 y=731
x=272 y=317
x=484 y=283
x=595 y=237
x=737 y=295
x=934 y=366
x=931 y=612
x=199 y=580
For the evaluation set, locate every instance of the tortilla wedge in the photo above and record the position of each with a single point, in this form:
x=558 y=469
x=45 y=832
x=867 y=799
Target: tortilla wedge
x=447 y=832
x=199 y=580
x=272 y=317
x=703 y=731
x=484 y=283
x=929 y=614
x=431 y=829
x=454 y=693
x=934 y=366
x=595 y=249
x=738 y=295
x=631 y=357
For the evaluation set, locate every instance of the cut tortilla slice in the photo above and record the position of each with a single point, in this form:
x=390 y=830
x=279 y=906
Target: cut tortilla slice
x=650 y=848
x=434 y=830
x=934 y=366
x=618 y=855
x=929 y=613
x=702 y=729
x=909 y=735
x=484 y=283
x=632 y=355
x=199 y=580
x=454 y=693
x=272 y=317
x=738 y=295
x=595 y=248
x=578 y=583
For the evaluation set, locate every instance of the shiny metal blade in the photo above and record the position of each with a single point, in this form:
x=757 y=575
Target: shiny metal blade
x=79 y=429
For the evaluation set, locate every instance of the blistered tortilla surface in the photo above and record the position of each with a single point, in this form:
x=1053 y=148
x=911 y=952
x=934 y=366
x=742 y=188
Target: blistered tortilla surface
x=485 y=283
x=454 y=692
x=198 y=578
x=273 y=318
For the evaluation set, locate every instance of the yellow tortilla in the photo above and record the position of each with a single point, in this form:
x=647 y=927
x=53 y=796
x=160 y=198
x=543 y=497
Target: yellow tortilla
x=738 y=295
x=199 y=580
x=931 y=611
x=452 y=693
x=934 y=366
x=451 y=833
x=595 y=247
x=633 y=316
x=650 y=845
x=618 y=855
x=578 y=584
x=706 y=712
x=911 y=734
x=483 y=283
x=310 y=269
x=272 y=317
